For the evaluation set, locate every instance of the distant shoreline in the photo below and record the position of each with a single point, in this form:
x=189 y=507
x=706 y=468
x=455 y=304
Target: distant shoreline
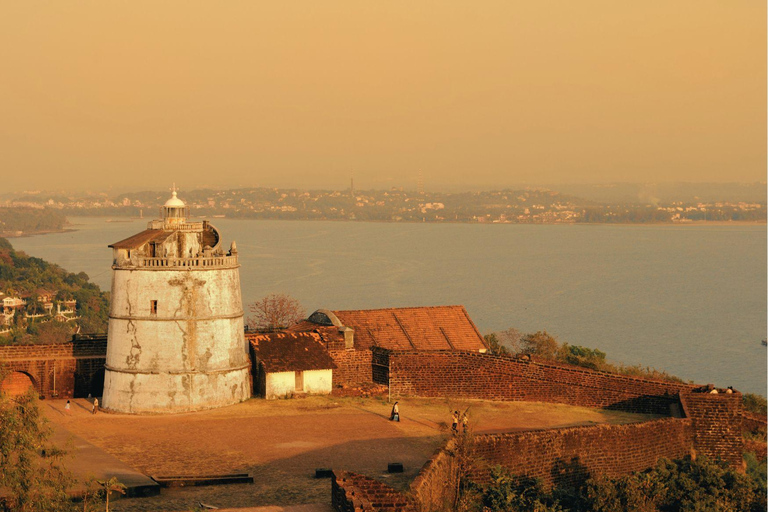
x=733 y=223
x=24 y=234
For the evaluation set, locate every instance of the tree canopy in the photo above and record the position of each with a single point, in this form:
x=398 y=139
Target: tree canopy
x=274 y=312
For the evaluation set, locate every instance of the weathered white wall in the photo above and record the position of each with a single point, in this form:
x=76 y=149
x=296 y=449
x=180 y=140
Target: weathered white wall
x=190 y=355
x=283 y=384
x=280 y=385
x=318 y=382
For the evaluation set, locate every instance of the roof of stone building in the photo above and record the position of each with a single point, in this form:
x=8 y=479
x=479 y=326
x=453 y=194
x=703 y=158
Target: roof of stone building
x=139 y=239
x=417 y=328
x=290 y=351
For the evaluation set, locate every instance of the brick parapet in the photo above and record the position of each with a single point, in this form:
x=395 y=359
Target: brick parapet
x=556 y=456
x=76 y=349
x=351 y=492
x=717 y=422
x=486 y=376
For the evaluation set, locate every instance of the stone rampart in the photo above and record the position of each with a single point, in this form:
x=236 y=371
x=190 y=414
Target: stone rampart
x=59 y=370
x=717 y=424
x=716 y=418
x=491 y=377
x=351 y=492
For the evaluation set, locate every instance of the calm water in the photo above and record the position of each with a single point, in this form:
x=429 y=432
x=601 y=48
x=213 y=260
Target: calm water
x=687 y=299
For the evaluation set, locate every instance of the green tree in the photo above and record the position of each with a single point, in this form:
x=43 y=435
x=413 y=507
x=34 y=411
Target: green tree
x=540 y=344
x=495 y=345
x=31 y=470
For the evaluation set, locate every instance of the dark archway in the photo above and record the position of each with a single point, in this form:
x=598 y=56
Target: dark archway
x=97 y=383
x=82 y=385
x=17 y=383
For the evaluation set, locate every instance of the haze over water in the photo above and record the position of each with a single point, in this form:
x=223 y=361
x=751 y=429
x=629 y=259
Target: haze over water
x=690 y=300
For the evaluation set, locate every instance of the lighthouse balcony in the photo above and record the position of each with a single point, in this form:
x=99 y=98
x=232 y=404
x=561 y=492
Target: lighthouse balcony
x=178 y=263
x=175 y=224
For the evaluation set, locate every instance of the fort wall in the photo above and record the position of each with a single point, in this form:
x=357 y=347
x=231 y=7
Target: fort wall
x=716 y=418
x=59 y=370
x=352 y=367
x=351 y=492
x=491 y=377
x=562 y=457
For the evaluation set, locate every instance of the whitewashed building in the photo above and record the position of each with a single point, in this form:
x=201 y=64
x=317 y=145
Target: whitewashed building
x=176 y=340
x=286 y=364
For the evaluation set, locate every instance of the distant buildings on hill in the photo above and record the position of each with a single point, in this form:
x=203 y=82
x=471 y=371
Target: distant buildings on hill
x=39 y=307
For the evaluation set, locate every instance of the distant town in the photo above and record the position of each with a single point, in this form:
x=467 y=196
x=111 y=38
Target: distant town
x=524 y=206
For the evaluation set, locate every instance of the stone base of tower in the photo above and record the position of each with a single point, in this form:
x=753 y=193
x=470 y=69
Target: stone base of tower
x=163 y=393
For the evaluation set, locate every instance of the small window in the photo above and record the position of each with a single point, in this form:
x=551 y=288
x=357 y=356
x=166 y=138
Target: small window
x=299 y=381
x=153 y=307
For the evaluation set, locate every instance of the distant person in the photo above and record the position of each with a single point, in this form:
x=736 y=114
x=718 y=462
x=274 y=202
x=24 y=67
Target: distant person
x=68 y=408
x=455 y=422
x=464 y=422
x=395 y=414
x=713 y=392
x=729 y=390
x=95 y=406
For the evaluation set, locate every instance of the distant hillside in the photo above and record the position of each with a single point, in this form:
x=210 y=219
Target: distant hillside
x=27 y=277
x=30 y=220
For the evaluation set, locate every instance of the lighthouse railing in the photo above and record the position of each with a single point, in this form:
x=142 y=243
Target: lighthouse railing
x=196 y=261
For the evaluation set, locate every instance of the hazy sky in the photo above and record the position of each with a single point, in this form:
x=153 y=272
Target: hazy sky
x=138 y=94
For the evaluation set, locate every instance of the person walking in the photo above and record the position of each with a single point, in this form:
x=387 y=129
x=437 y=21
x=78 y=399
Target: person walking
x=455 y=422
x=95 y=406
x=464 y=421
x=395 y=415
x=68 y=408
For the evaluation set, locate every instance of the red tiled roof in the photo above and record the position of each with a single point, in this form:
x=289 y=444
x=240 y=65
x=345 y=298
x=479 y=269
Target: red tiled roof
x=290 y=351
x=139 y=239
x=419 y=328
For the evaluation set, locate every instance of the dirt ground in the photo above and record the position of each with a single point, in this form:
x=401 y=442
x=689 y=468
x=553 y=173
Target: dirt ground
x=282 y=442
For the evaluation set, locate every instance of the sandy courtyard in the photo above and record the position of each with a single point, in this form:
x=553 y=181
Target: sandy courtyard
x=281 y=443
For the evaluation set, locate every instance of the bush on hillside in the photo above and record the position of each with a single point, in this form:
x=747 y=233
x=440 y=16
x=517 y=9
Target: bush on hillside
x=545 y=346
x=678 y=485
x=754 y=403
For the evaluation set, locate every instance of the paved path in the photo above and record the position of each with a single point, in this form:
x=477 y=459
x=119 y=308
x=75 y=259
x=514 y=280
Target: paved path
x=87 y=461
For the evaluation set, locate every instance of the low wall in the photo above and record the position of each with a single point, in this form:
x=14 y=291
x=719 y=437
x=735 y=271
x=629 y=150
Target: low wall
x=351 y=492
x=491 y=377
x=564 y=456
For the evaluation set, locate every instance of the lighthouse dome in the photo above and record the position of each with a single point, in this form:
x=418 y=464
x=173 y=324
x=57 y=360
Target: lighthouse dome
x=174 y=202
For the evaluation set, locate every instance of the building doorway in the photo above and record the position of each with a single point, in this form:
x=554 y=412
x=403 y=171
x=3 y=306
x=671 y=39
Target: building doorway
x=299 y=382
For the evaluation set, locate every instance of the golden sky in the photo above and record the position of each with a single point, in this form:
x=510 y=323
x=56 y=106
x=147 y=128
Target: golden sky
x=138 y=94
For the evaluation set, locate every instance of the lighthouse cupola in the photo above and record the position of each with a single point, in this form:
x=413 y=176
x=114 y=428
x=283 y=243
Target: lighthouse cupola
x=174 y=211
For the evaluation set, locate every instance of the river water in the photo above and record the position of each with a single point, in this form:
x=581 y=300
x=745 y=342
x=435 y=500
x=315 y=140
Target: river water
x=690 y=300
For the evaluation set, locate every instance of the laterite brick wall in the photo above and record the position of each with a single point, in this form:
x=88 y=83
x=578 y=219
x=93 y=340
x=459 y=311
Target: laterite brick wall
x=563 y=456
x=353 y=367
x=59 y=369
x=486 y=376
x=717 y=423
x=351 y=492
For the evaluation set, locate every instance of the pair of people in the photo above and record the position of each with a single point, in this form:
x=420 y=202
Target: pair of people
x=455 y=422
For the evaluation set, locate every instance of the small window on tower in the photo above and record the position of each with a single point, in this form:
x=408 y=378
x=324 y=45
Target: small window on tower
x=153 y=307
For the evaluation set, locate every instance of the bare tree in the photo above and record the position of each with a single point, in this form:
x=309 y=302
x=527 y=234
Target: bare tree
x=275 y=311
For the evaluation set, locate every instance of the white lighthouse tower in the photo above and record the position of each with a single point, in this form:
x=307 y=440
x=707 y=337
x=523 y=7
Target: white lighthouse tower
x=176 y=338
